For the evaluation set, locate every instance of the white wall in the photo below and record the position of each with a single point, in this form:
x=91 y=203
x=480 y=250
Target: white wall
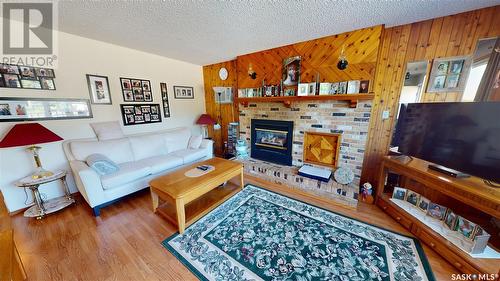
x=79 y=56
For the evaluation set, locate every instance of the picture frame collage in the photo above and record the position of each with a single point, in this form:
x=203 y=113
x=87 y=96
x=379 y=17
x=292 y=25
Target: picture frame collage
x=26 y=77
x=136 y=114
x=451 y=220
x=136 y=90
x=448 y=75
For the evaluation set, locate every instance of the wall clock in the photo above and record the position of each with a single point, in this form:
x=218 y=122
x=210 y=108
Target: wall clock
x=343 y=175
x=223 y=73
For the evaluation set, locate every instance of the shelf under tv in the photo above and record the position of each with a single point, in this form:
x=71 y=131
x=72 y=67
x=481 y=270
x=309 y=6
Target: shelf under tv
x=466 y=195
x=287 y=101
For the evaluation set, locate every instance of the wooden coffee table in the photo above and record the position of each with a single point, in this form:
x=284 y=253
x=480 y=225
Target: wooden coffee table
x=188 y=199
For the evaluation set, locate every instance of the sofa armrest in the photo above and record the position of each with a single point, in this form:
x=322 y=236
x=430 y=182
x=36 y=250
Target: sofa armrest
x=208 y=145
x=88 y=183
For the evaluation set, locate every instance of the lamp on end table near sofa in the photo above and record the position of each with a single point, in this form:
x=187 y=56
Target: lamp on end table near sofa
x=204 y=121
x=31 y=134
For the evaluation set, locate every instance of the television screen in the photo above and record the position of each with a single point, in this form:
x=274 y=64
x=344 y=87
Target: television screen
x=464 y=136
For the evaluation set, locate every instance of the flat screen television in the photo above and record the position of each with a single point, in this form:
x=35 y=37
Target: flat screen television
x=464 y=136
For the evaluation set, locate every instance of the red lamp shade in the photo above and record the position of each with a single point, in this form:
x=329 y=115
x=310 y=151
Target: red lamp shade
x=205 y=119
x=28 y=134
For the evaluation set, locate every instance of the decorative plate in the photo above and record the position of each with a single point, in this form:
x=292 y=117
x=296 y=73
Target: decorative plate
x=343 y=175
x=223 y=73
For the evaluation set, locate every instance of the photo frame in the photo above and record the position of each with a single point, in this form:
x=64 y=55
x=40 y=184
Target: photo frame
x=99 y=89
x=436 y=211
x=449 y=74
x=138 y=114
x=364 y=86
x=465 y=227
x=450 y=219
x=399 y=193
x=412 y=197
x=302 y=89
x=353 y=86
x=26 y=77
x=164 y=100
x=423 y=204
x=34 y=109
x=136 y=90
x=183 y=92
x=291 y=71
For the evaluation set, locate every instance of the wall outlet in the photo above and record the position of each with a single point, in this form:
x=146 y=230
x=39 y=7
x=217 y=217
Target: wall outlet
x=385 y=114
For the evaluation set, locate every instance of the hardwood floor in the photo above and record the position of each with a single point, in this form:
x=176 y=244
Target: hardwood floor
x=124 y=243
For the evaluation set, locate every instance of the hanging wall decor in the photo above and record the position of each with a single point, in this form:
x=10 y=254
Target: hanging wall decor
x=136 y=90
x=183 y=92
x=26 y=77
x=99 y=89
x=449 y=74
x=164 y=98
x=30 y=109
x=136 y=114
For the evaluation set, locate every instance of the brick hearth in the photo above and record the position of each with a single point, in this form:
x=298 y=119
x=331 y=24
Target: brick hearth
x=321 y=116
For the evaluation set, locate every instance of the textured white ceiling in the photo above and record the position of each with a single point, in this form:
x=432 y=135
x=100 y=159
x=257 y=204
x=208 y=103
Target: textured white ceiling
x=204 y=32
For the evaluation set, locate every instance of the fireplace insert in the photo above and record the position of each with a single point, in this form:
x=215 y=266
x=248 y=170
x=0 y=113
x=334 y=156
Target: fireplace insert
x=272 y=141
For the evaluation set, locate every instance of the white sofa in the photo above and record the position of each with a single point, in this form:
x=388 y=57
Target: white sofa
x=140 y=158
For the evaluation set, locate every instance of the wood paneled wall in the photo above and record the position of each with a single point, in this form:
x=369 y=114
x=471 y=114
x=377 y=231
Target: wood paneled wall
x=449 y=36
x=223 y=113
x=317 y=56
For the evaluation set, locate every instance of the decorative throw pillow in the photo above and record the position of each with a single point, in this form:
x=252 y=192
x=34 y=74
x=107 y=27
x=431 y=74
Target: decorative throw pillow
x=107 y=130
x=102 y=164
x=195 y=142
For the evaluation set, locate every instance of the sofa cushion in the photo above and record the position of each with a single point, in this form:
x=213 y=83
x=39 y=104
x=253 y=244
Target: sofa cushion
x=119 y=150
x=128 y=172
x=177 y=139
x=190 y=155
x=195 y=142
x=146 y=146
x=161 y=163
x=107 y=130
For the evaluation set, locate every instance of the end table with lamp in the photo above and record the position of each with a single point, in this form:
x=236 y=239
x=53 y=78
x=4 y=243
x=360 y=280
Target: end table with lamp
x=30 y=134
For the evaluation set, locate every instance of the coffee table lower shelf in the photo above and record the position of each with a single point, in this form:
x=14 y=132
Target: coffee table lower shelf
x=199 y=207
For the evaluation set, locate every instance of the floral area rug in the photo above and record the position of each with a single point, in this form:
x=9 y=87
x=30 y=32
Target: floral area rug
x=261 y=235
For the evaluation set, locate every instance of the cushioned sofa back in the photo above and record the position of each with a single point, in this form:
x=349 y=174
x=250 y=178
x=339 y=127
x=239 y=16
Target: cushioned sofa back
x=177 y=139
x=145 y=146
x=118 y=150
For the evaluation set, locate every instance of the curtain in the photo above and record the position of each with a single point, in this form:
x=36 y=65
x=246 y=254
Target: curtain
x=489 y=88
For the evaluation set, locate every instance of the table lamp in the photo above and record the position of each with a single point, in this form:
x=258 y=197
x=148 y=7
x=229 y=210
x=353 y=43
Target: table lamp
x=205 y=120
x=30 y=134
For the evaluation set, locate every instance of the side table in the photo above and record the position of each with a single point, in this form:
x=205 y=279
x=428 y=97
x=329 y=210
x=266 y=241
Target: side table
x=44 y=207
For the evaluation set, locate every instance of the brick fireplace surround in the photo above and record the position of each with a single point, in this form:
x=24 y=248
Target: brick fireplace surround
x=322 y=116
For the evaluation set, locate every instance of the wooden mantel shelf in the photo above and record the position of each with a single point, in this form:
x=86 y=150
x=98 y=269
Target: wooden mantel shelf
x=287 y=101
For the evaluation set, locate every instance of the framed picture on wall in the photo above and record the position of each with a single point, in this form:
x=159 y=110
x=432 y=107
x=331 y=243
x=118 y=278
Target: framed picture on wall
x=26 y=77
x=136 y=90
x=136 y=114
x=164 y=99
x=99 y=89
x=449 y=74
x=30 y=109
x=183 y=92
x=291 y=71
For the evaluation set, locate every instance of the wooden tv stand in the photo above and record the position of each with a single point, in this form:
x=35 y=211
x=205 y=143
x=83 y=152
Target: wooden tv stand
x=467 y=197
